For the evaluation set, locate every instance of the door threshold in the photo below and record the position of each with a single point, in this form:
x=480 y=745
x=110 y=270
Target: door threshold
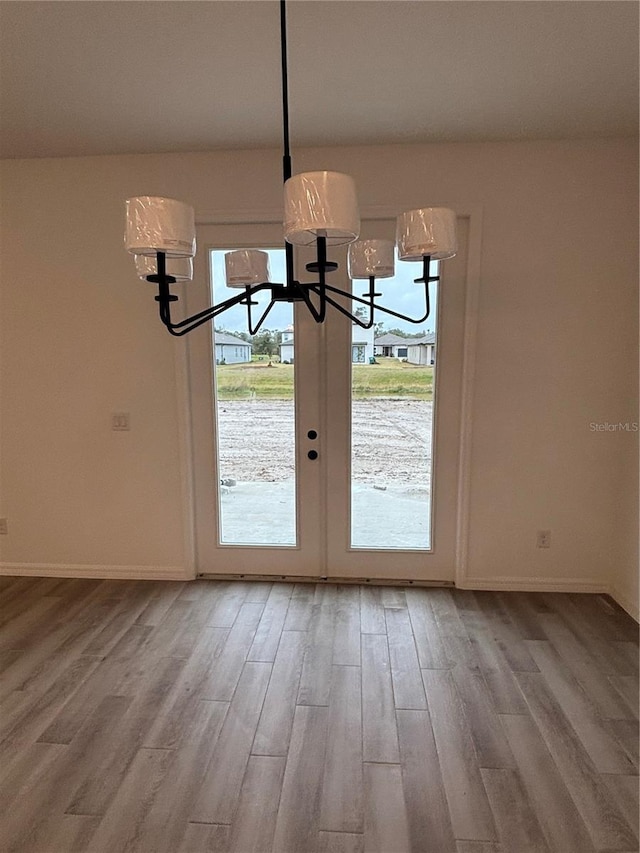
x=363 y=581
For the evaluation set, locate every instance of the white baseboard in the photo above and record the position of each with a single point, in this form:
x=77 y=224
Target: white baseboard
x=626 y=602
x=179 y=573
x=63 y=570
x=535 y=584
x=555 y=585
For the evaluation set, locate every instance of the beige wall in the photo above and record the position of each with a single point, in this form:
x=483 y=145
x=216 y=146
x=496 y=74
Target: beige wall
x=558 y=283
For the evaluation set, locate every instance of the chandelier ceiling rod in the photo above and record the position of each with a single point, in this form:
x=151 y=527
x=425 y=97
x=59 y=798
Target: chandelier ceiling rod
x=286 y=154
x=321 y=210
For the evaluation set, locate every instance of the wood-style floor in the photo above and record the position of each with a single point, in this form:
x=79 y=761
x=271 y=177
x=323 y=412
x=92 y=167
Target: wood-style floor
x=238 y=716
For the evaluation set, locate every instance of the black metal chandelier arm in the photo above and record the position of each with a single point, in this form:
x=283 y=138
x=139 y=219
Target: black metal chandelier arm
x=370 y=322
x=329 y=301
x=416 y=320
x=208 y=314
x=318 y=314
x=248 y=301
x=370 y=297
x=165 y=313
x=316 y=289
x=289 y=266
x=426 y=269
x=185 y=326
x=164 y=297
x=377 y=307
x=253 y=330
x=179 y=329
x=178 y=333
x=321 y=252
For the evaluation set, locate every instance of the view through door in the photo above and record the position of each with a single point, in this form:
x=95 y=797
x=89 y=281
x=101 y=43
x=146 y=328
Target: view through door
x=392 y=399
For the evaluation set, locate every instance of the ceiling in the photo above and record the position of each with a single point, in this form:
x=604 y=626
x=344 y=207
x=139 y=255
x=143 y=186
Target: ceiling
x=80 y=78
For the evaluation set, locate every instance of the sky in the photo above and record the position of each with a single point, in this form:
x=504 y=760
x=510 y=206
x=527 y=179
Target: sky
x=399 y=293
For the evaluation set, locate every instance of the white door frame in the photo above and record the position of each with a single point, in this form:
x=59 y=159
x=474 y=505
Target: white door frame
x=188 y=404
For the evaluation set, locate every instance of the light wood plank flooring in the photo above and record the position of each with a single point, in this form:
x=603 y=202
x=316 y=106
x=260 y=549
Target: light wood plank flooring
x=163 y=717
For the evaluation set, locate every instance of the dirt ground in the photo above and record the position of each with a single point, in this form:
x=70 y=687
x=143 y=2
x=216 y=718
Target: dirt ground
x=391 y=441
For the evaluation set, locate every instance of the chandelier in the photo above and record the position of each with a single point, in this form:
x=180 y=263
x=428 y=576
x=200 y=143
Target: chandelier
x=321 y=211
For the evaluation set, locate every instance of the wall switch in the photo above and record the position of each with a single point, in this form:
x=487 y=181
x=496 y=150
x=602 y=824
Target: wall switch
x=120 y=421
x=4 y=527
x=543 y=539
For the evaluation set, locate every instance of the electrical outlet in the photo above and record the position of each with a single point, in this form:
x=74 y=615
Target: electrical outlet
x=543 y=539
x=120 y=421
x=4 y=527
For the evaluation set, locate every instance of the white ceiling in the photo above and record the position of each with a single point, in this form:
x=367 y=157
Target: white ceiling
x=115 y=77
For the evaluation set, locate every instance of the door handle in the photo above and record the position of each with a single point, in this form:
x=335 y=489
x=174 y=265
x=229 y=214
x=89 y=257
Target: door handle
x=312 y=434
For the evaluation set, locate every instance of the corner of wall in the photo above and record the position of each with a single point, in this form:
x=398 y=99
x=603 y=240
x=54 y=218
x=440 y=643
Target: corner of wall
x=627 y=599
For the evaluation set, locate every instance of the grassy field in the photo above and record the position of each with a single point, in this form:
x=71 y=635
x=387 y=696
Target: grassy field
x=388 y=378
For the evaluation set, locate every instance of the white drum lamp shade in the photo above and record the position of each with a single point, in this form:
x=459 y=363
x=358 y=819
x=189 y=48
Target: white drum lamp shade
x=428 y=231
x=246 y=267
x=180 y=268
x=368 y=258
x=160 y=225
x=320 y=204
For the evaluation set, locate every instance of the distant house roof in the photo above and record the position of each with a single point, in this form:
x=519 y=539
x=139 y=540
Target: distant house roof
x=355 y=341
x=390 y=341
x=226 y=338
x=427 y=339
x=396 y=340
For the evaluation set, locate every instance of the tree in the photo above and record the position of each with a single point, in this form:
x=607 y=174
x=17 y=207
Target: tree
x=401 y=333
x=245 y=336
x=265 y=342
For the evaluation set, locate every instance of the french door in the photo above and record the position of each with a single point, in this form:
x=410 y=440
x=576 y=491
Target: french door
x=314 y=455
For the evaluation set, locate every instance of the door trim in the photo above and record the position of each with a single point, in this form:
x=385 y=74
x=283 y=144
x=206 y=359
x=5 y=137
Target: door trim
x=474 y=214
x=185 y=449
x=469 y=350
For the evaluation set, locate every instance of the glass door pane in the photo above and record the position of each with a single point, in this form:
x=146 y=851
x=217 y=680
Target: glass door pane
x=254 y=416
x=392 y=399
